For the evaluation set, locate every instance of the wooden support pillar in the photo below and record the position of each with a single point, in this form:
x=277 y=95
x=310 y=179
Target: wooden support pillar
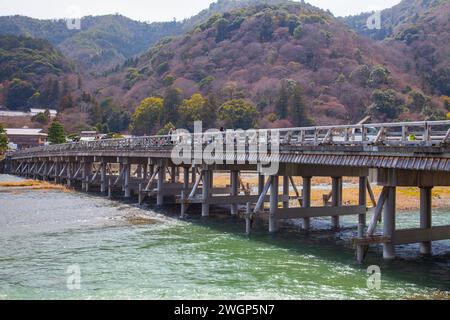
x=306 y=195
x=389 y=223
x=88 y=170
x=126 y=179
x=69 y=174
x=336 y=199
x=273 y=204
x=194 y=174
x=261 y=183
x=206 y=192
x=184 y=191
x=362 y=217
x=140 y=194
x=56 y=172
x=234 y=181
x=160 y=185
x=109 y=188
x=285 y=192
x=425 y=217
x=248 y=217
x=103 y=179
x=145 y=171
x=186 y=178
x=173 y=173
x=211 y=179
x=139 y=171
x=152 y=169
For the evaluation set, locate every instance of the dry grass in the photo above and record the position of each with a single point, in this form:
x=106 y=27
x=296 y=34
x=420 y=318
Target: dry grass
x=34 y=185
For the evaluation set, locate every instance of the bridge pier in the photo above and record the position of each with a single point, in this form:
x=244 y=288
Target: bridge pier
x=126 y=178
x=234 y=182
x=261 y=182
x=362 y=217
x=336 y=199
x=285 y=192
x=274 y=186
x=206 y=192
x=69 y=174
x=425 y=217
x=306 y=201
x=389 y=223
x=103 y=179
x=160 y=185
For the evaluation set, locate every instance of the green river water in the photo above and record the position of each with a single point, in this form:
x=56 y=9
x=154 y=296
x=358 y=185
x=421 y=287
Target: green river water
x=43 y=233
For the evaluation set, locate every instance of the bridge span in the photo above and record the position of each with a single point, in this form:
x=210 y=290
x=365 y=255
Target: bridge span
x=179 y=169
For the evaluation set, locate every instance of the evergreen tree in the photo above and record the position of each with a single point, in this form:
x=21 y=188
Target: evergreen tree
x=172 y=100
x=56 y=134
x=297 y=108
x=282 y=100
x=3 y=139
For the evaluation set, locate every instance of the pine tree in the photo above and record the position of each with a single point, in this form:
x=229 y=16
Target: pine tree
x=172 y=100
x=56 y=134
x=3 y=139
x=281 y=105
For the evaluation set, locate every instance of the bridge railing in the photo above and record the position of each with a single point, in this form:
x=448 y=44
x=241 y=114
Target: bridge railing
x=430 y=133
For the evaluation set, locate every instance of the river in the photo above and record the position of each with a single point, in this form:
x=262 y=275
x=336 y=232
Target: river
x=126 y=252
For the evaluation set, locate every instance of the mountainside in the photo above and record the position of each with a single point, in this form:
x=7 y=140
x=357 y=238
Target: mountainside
x=424 y=27
x=266 y=63
x=27 y=65
x=393 y=19
x=102 y=42
x=105 y=41
x=262 y=52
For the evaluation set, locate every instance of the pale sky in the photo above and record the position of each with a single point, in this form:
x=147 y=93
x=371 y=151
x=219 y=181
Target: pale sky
x=157 y=10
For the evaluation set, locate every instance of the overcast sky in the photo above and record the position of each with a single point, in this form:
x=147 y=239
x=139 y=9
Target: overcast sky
x=157 y=10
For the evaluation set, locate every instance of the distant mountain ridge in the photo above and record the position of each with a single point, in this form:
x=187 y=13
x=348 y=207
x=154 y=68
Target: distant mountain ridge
x=105 y=41
x=423 y=26
x=253 y=52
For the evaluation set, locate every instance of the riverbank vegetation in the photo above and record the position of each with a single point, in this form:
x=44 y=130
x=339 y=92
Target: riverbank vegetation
x=33 y=185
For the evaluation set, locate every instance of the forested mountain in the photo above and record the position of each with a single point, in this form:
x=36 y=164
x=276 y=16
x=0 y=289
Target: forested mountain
x=297 y=64
x=265 y=63
x=102 y=42
x=393 y=19
x=105 y=41
x=424 y=27
x=30 y=71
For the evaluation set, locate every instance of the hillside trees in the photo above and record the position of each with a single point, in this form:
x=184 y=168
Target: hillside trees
x=19 y=93
x=56 y=134
x=192 y=110
x=3 y=139
x=108 y=116
x=386 y=104
x=290 y=103
x=238 y=114
x=148 y=116
x=172 y=99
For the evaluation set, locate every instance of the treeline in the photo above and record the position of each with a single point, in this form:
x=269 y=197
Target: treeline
x=30 y=74
x=160 y=114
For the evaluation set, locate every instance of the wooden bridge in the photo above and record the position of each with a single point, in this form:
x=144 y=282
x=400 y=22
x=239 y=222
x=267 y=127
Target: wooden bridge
x=414 y=154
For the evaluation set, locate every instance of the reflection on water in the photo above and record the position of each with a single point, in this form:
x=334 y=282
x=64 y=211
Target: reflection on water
x=122 y=256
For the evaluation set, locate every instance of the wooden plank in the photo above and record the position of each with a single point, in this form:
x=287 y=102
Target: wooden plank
x=296 y=213
x=262 y=196
x=371 y=194
x=378 y=212
x=421 y=235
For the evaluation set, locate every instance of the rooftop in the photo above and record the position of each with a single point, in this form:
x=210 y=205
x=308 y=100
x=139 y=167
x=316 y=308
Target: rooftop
x=24 y=132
